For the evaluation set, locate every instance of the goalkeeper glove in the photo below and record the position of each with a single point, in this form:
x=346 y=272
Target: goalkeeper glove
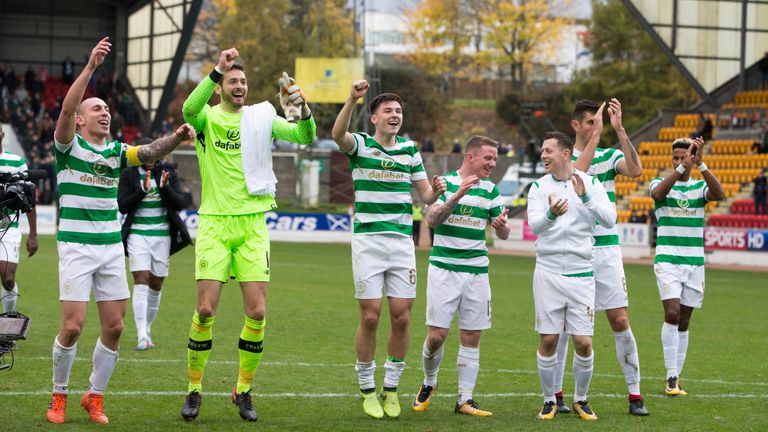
x=292 y=99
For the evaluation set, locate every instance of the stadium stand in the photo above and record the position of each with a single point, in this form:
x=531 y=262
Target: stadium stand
x=735 y=161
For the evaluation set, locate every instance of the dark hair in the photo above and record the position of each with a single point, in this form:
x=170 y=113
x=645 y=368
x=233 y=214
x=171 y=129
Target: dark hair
x=380 y=99
x=563 y=141
x=584 y=106
x=478 y=141
x=143 y=140
x=683 y=143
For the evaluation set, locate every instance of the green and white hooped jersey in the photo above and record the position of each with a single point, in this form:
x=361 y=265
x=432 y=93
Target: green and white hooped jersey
x=151 y=218
x=680 y=234
x=382 y=181
x=603 y=168
x=459 y=243
x=11 y=163
x=87 y=176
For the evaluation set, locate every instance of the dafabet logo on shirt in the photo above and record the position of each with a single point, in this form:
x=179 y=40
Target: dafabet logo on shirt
x=232 y=142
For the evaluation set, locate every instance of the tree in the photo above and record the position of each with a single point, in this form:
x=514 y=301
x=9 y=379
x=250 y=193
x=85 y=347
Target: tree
x=627 y=65
x=481 y=38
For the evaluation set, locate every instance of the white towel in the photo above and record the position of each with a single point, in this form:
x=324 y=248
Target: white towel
x=256 y=148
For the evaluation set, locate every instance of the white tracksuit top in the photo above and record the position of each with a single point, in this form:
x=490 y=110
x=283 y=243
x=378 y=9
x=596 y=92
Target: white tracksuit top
x=565 y=243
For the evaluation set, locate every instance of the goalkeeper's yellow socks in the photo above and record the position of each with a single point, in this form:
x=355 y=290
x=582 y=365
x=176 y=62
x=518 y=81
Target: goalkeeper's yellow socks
x=198 y=350
x=251 y=346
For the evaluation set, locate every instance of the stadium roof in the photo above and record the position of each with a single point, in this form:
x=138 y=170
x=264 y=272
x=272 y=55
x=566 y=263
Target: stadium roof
x=710 y=41
x=149 y=39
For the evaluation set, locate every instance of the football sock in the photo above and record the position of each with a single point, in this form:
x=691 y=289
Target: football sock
x=365 y=371
x=104 y=360
x=431 y=364
x=140 y=310
x=562 y=354
x=626 y=353
x=9 y=298
x=682 y=350
x=153 y=305
x=63 y=357
x=251 y=345
x=198 y=350
x=670 y=340
x=468 y=365
x=547 y=365
x=582 y=375
x=393 y=369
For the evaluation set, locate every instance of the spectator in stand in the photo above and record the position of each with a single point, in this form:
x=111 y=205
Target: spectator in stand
x=638 y=217
x=40 y=79
x=704 y=129
x=428 y=147
x=759 y=192
x=68 y=70
x=46 y=127
x=29 y=79
x=762 y=66
x=456 y=149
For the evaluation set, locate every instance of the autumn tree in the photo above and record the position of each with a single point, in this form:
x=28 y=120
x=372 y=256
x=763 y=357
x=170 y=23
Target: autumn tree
x=627 y=65
x=481 y=38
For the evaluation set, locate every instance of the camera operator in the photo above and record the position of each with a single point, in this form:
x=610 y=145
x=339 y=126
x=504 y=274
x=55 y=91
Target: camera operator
x=150 y=196
x=10 y=238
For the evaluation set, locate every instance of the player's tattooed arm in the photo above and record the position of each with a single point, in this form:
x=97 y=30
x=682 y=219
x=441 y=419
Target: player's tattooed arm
x=438 y=213
x=162 y=146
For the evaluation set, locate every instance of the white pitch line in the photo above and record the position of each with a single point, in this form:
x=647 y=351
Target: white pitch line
x=351 y=365
x=405 y=395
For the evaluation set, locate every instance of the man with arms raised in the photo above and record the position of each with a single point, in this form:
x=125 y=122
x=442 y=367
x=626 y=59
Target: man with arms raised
x=90 y=246
x=457 y=280
x=563 y=207
x=234 y=143
x=679 y=263
x=383 y=168
x=610 y=282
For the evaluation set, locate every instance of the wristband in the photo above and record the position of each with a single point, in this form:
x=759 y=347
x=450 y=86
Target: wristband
x=585 y=198
x=703 y=167
x=681 y=169
x=216 y=75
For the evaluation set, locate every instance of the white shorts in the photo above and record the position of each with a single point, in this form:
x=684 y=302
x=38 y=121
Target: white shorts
x=383 y=261
x=9 y=251
x=468 y=294
x=685 y=282
x=610 y=282
x=83 y=267
x=563 y=302
x=149 y=253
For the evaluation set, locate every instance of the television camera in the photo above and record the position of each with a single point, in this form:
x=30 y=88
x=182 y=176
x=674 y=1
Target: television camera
x=17 y=194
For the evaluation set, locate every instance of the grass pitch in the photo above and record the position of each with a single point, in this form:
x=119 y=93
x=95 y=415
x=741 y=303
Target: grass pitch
x=307 y=381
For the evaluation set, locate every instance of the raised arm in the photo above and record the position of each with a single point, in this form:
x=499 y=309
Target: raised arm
x=661 y=190
x=630 y=165
x=65 y=125
x=194 y=107
x=715 y=190
x=340 y=134
x=584 y=161
x=302 y=132
x=162 y=146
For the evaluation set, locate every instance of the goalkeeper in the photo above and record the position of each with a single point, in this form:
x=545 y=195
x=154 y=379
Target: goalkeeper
x=238 y=186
